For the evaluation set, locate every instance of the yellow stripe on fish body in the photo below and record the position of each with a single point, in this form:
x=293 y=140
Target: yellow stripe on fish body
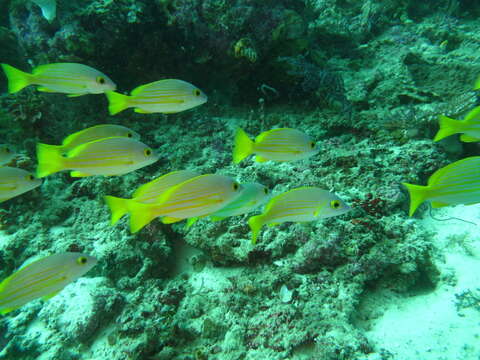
x=109 y=156
x=282 y=144
x=6 y=154
x=454 y=184
x=147 y=193
x=196 y=197
x=14 y=182
x=298 y=205
x=164 y=96
x=469 y=127
x=68 y=78
x=42 y=279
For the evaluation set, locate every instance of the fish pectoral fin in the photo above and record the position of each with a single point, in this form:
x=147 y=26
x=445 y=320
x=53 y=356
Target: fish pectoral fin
x=45 y=89
x=49 y=296
x=75 y=95
x=141 y=111
x=170 y=220
x=79 y=174
x=259 y=158
x=468 y=138
x=438 y=204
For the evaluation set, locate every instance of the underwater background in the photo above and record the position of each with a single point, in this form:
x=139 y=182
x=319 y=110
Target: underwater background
x=366 y=80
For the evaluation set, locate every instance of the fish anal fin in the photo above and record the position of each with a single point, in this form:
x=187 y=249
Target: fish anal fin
x=259 y=158
x=45 y=89
x=170 y=220
x=468 y=138
x=438 y=204
x=79 y=174
x=49 y=296
x=141 y=111
x=75 y=95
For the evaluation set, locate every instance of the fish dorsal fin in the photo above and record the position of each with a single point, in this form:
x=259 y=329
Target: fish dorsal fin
x=139 y=89
x=78 y=149
x=264 y=134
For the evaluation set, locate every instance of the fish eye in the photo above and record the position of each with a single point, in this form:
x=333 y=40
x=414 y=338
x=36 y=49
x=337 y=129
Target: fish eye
x=335 y=204
x=82 y=260
x=235 y=186
x=196 y=92
x=100 y=80
x=265 y=190
x=147 y=152
x=312 y=144
x=30 y=177
x=129 y=135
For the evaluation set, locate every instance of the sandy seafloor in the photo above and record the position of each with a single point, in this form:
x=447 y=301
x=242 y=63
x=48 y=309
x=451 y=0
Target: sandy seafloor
x=434 y=325
x=365 y=79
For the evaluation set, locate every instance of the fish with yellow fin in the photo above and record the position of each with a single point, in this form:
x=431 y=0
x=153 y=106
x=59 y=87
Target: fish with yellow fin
x=14 y=182
x=147 y=193
x=165 y=96
x=93 y=133
x=281 y=144
x=197 y=197
x=108 y=157
x=454 y=184
x=298 y=205
x=43 y=278
x=469 y=127
x=68 y=78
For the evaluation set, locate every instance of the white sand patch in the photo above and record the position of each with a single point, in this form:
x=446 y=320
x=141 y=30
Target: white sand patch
x=430 y=327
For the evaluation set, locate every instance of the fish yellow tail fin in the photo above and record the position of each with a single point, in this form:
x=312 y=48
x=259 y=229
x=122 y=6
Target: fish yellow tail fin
x=242 y=147
x=117 y=102
x=448 y=127
x=418 y=194
x=118 y=207
x=255 y=223
x=140 y=215
x=17 y=79
x=50 y=159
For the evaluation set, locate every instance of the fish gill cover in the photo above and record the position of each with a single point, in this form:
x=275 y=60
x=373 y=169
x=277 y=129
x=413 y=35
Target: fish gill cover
x=366 y=81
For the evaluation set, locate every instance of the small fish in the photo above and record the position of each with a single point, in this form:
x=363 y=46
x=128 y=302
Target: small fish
x=93 y=133
x=109 y=156
x=469 y=127
x=147 y=193
x=200 y=196
x=43 y=278
x=6 y=154
x=68 y=78
x=282 y=144
x=298 y=205
x=252 y=196
x=165 y=96
x=14 y=182
x=454 y=184
x=48 y=7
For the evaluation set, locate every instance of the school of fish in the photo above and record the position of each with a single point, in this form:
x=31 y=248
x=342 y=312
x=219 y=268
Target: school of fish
x=112 y=150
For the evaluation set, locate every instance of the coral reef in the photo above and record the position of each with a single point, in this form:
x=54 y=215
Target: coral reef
x=365 y=79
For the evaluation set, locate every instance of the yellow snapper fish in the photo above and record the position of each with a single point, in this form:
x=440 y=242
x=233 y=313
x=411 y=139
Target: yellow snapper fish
x=14 y=182
x=454 y=184
x=298 y=205
x=282 y=144
x=43 y=278
x=68 y=78
x=200 y=196
x=165 y=96
x=147 y=193
x=252 y=196
x=6 y=154
x=93 y=133
x=48 y=7
x=469 y=127
x=109 y=156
